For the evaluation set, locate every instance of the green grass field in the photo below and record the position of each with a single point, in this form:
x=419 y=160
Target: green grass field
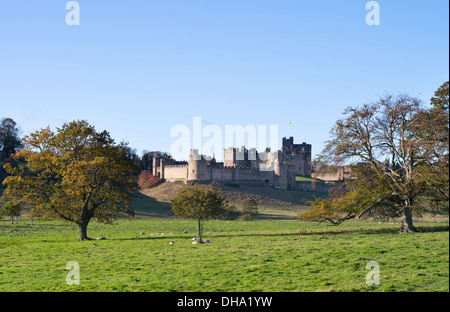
x=244 y=256
x=275 y=253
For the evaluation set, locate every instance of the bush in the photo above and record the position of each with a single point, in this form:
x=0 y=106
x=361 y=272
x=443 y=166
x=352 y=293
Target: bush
x=147 y=180
x=245 y=217
x=10 y=209
x=230 y=213
x=249 y=209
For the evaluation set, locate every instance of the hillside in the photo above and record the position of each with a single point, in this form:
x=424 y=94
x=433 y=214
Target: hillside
x=272 y=203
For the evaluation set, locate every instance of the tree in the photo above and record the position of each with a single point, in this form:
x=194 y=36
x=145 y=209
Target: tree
x=198 y=202
x=147 y=180
x=146 y=162
x=440 y=101
x=249 y=209
x=10 y=209
x=9 y=138
x=432 y=131
x=384 y=137
x=76 y=174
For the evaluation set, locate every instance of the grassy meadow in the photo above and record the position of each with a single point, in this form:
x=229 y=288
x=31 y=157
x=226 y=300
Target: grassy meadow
x=274 y=253
x=276 y=256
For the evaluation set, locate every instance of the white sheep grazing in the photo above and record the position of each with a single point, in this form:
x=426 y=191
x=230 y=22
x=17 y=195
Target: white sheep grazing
x=194 y=242
x=170 y=243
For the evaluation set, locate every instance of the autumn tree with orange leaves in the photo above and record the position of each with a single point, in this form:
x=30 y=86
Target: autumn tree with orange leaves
x=76 y=174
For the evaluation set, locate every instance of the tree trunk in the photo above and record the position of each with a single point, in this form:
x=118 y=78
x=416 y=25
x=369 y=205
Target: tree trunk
x=82 y=232
x=407 y=221
x=199 y=230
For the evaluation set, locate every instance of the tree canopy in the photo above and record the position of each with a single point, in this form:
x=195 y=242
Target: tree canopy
x=9 y=138
x=198 y=202
x=75 y=174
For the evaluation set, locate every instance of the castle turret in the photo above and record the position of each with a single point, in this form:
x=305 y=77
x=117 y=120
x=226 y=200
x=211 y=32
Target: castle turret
x=154 y=166
x=197 y=167
x=193 y=165
x=161 y=169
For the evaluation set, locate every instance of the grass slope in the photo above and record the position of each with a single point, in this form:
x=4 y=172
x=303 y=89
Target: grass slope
x=273 y=204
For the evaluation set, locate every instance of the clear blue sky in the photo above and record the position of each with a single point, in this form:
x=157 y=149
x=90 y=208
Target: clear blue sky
x=137 y=68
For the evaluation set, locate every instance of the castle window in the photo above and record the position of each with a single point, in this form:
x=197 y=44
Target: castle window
x=193 y=171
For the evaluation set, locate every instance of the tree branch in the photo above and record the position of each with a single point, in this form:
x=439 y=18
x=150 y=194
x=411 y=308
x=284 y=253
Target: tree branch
x=374 y=204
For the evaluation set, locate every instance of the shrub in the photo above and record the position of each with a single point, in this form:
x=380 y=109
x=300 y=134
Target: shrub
x=230 y=213
x=147 y=180
x=249 y=209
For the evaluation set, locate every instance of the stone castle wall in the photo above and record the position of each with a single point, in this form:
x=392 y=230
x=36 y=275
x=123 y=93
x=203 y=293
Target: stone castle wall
x=176 y=173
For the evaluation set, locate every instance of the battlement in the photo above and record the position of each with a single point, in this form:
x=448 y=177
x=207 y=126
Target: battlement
x=176 y=166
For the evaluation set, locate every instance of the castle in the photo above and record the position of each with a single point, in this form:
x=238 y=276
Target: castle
x=278 y=169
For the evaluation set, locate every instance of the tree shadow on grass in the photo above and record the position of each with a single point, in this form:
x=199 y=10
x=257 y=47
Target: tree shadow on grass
x=390 y=230
x=149 y=208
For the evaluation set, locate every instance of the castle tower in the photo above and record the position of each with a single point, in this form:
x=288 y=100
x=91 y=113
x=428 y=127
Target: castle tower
x=193 y=165
x=197 y=167
x=161 y=169
x=154 y=169
x=229 y=157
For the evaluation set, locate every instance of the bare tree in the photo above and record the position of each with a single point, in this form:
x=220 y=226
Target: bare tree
x=384 y=137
